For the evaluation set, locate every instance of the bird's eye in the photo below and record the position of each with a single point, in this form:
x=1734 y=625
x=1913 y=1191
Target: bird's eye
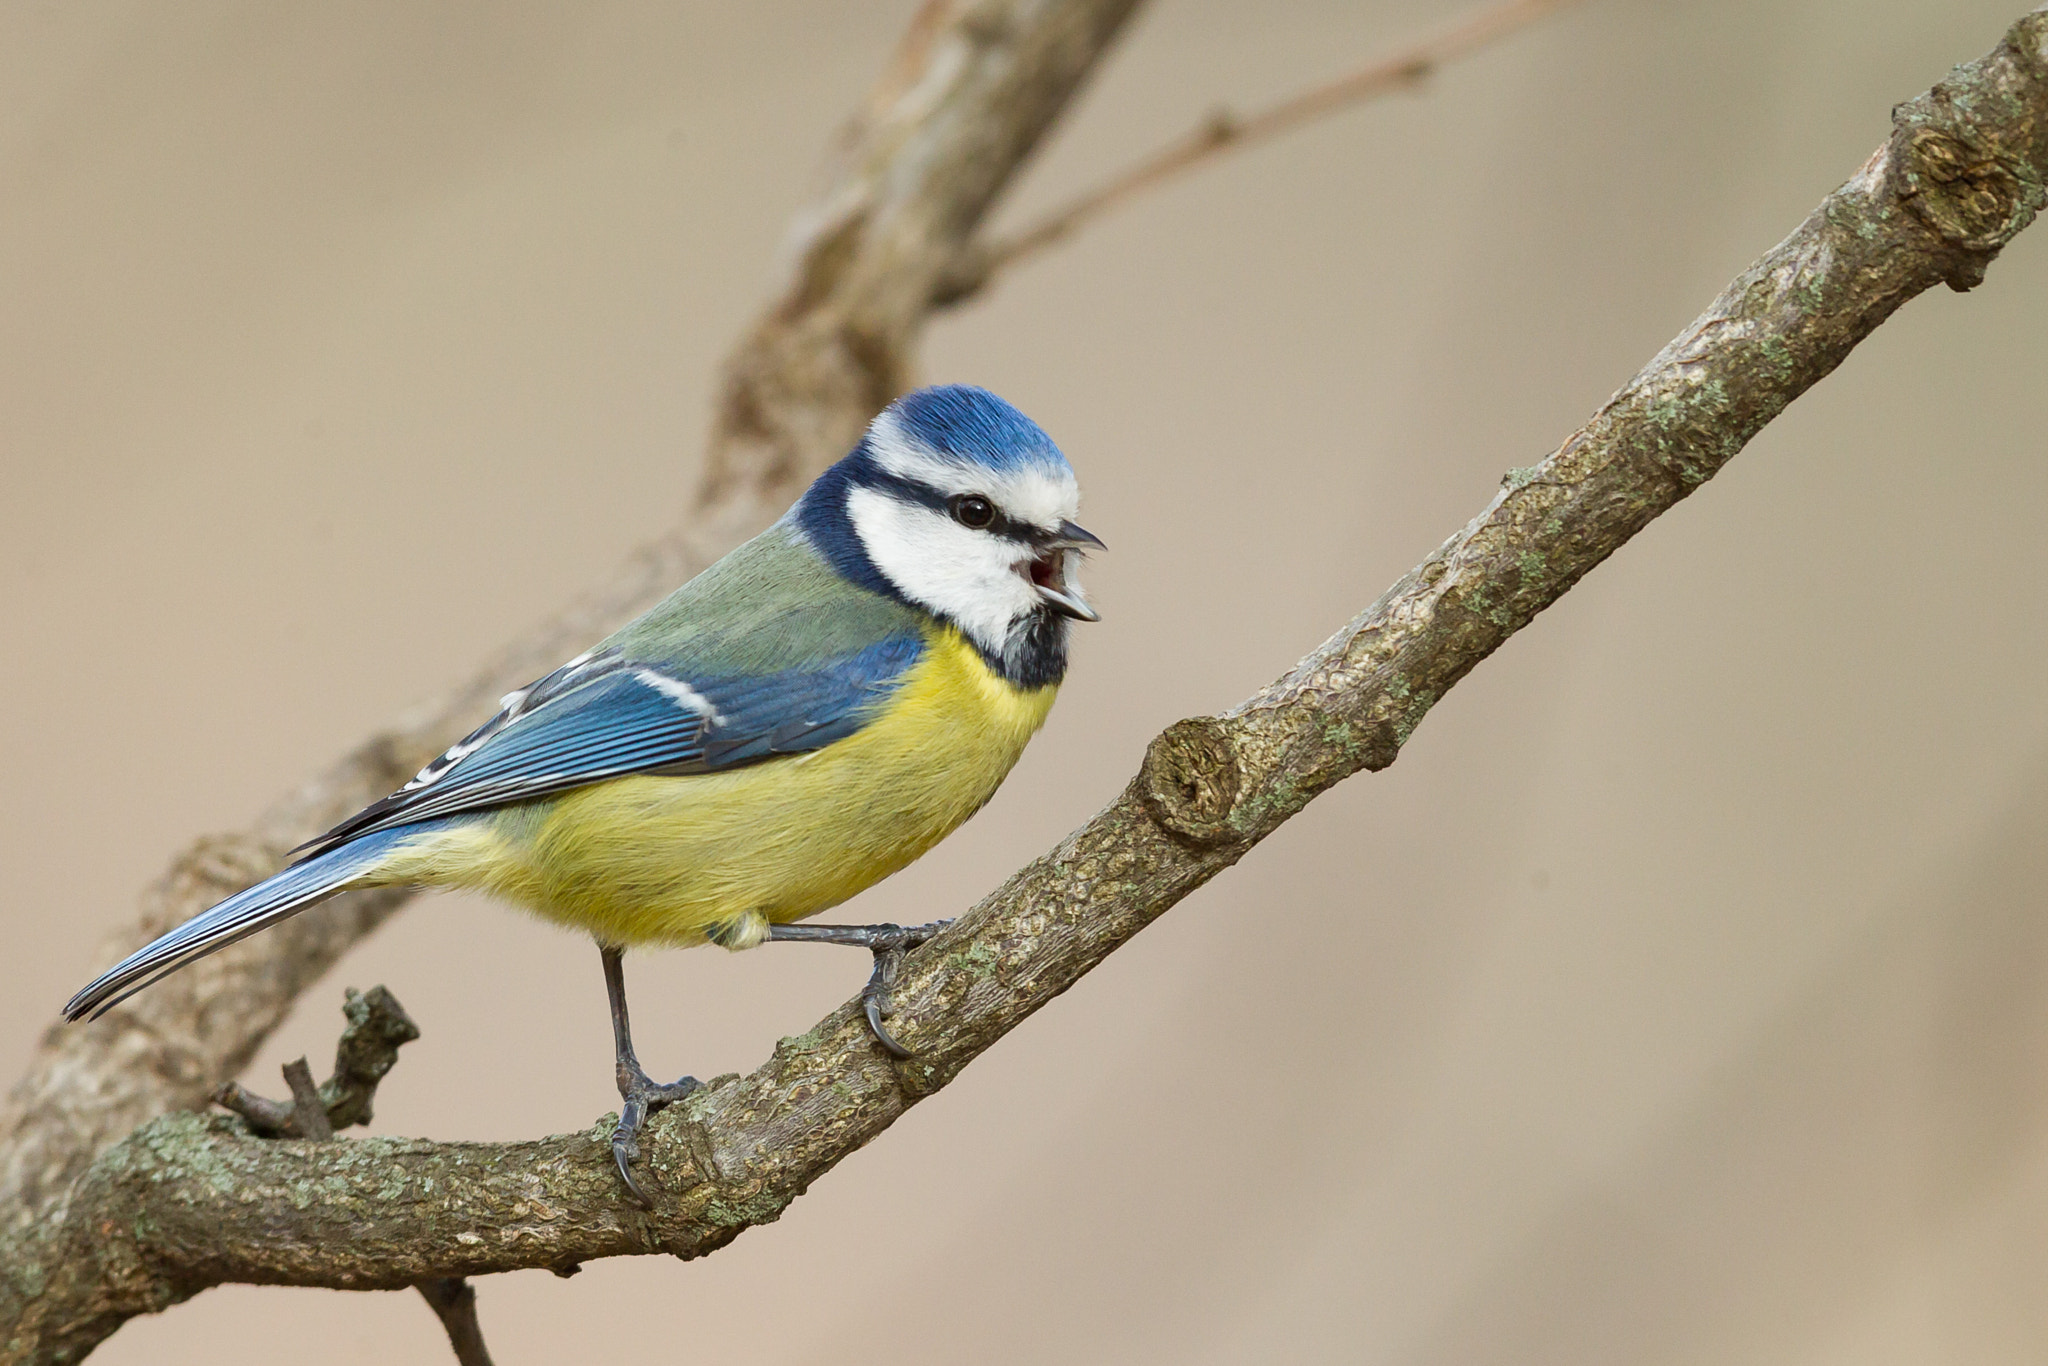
x=973 y=510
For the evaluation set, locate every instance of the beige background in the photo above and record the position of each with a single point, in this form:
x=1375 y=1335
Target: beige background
x=1680 y=996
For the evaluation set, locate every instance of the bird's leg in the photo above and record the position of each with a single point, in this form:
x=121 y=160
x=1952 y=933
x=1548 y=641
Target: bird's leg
x=639 y=1094
x=887 y=943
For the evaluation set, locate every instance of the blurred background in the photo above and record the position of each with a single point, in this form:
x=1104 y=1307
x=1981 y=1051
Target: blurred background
x=1680 y=996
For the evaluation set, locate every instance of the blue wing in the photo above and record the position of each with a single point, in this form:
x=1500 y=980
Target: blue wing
x=605 y=715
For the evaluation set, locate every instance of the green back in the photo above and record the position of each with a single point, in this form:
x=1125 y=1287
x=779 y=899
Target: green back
x=772 y=604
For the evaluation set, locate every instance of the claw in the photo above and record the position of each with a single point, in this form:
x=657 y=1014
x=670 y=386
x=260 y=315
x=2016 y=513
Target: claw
x=639 y=1099
x=876 y=1005
x=888 y=943
x=626 y=1147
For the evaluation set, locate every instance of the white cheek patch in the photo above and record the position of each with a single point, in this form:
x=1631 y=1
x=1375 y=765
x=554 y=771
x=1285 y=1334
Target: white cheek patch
x=968 y=576
x=1041 y=495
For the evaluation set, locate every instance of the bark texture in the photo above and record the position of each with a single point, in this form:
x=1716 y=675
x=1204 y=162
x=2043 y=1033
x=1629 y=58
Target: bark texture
x=189 y=1201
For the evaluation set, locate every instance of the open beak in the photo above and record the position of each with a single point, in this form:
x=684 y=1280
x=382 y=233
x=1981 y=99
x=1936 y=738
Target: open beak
x=1053 y=574
x=1071 y=537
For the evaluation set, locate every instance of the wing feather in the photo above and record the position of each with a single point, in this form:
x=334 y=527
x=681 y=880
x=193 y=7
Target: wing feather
x=604 y=716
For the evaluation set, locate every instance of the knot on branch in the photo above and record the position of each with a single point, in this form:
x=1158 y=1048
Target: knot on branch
x=2027 y=40
x=377 y=1027
x=1966 y=155
x=1976 y=199
x=1190 y=781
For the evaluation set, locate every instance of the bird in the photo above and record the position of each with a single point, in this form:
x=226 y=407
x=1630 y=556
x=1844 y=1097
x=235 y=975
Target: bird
x=808 y=715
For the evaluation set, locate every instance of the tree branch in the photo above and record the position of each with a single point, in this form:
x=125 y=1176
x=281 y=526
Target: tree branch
x=190 y=1201
x=1223 y=131
x=971 y=92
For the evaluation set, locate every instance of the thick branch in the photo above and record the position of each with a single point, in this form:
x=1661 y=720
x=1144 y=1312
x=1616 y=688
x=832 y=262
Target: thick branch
x=191 y=1201
x=970 y=95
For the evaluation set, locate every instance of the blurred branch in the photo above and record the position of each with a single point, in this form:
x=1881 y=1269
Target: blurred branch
x=190 y=1201
x=1223 y=131
x=970 y=93
x=973 y=89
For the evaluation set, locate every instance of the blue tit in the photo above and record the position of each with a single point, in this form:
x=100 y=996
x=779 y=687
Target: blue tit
x=794 y=724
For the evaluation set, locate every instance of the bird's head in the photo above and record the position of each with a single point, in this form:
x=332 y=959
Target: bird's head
x=959 y=504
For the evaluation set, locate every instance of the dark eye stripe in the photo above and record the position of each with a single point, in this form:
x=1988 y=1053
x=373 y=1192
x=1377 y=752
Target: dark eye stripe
x=924 y=495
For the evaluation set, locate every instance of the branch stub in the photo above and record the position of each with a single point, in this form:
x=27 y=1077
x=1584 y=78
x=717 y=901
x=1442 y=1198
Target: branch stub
x=1972 y=198
x=1190 y=781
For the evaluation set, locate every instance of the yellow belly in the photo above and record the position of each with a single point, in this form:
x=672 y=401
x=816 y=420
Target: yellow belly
x=674 y=860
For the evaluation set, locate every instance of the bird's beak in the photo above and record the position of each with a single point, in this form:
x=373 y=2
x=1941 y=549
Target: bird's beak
x=1071 y=537
x=1054 y=573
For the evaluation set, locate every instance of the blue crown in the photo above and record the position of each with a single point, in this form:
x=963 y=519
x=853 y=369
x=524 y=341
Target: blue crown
x=974 y=427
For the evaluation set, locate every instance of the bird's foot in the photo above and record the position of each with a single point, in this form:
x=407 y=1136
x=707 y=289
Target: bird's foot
x=891 y=942
x=888 y=943
x=640 y=1096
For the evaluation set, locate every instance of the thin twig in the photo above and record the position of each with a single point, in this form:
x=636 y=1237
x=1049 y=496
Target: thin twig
x=307 y=1112
x=1223 y=131
x=454 y=1300
x=377 y=1028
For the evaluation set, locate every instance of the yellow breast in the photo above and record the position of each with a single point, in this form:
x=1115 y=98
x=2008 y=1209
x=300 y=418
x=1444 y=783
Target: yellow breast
x=675 y=860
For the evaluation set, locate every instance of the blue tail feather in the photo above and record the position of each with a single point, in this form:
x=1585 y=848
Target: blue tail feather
x=283 y=894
